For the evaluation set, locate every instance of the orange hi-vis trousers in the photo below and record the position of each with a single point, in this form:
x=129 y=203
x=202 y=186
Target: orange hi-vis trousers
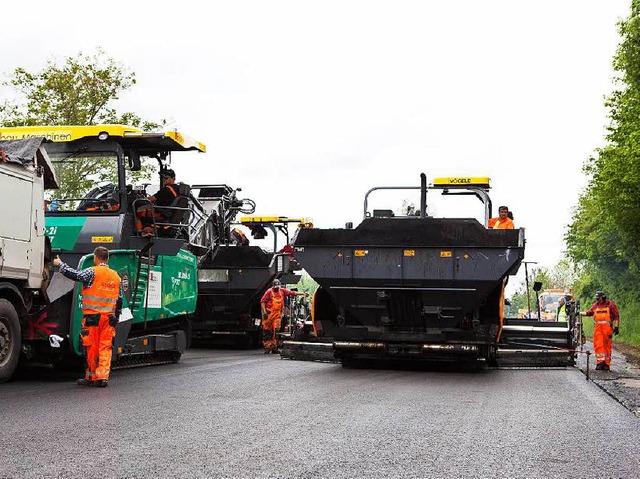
x=602 y=341
x=271 y=324
x=270 y=327
x=98 y=341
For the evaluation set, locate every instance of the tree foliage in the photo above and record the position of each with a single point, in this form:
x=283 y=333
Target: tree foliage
x=603 y=236
x=80 y=90
x=307 y=284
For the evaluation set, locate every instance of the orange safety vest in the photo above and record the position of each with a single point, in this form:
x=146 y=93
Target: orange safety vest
x=101 y=297
x=602 y=314
x=498 y=224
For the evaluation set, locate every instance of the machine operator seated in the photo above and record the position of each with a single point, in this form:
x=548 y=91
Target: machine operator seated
x=504 y=220
x=165 y=197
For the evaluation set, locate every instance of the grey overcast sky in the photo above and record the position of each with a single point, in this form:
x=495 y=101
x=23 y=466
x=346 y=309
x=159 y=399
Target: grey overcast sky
x=306 y=105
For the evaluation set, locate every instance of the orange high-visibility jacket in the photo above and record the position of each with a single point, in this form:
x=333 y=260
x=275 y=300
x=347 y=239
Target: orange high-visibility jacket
x=101 y=297
x=498 y=224
x=606 y=312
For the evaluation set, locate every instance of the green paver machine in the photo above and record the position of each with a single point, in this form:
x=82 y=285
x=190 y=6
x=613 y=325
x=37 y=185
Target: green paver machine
x=102 y=166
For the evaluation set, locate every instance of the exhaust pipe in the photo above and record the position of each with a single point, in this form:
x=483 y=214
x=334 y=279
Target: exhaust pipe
x=423 y=195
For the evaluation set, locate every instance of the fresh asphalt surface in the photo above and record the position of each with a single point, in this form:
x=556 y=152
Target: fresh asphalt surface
x=245 y=414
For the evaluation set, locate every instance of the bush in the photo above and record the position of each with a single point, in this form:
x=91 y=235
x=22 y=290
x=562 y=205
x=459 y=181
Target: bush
x=630 y=324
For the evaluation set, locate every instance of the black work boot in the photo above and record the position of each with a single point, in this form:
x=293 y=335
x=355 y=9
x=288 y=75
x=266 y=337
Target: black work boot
x=84 y=382
x=102 y=383
x=605 y=367
x=600 y=366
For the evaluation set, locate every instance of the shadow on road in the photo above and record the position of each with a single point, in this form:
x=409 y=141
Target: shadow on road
x=47 y=373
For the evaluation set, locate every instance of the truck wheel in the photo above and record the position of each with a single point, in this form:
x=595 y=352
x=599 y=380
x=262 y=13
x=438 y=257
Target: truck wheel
x=10 y=340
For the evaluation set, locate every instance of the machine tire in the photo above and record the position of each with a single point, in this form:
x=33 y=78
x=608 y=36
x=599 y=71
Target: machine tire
x=493 y=362
x=492 y=358
x=186 y=326
x=253 y=340
x=350 y=362
x=10 y=340
x=480 y=366
x=326 y=310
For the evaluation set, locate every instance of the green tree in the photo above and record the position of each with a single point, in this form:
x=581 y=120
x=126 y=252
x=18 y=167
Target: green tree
x=80 y=90
x=519 y=300
x=603 y=236
x=307 y=284
x=562 y=275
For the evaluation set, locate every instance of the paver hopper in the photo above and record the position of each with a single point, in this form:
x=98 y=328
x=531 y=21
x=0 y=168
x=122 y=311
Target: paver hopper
x=414 y=287
x=230 y=287
x=233 y=278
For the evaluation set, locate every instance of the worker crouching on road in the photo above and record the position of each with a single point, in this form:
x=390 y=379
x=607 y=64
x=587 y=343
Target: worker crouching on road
x=101 y=304
x=272 y=305
x=606 y=319
x=504 y=221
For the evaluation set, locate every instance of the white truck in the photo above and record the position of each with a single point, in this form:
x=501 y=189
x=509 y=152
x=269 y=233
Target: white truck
x=25 y=251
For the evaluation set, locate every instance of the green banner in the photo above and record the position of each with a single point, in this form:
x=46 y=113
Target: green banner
x=63 y=231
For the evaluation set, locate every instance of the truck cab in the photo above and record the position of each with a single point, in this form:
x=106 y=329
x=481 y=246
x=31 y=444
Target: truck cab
x=549 y=303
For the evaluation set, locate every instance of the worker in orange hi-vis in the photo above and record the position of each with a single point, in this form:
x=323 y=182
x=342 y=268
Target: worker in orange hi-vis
x=606 y=319
x=272 y=305
x=504 y=221
x=101 y=304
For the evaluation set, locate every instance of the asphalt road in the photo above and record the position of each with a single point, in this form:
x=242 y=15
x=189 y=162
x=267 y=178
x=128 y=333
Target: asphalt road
x=244 y=414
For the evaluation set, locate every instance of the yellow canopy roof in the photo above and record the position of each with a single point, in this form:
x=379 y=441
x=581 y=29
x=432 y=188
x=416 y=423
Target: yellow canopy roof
x=172 y=140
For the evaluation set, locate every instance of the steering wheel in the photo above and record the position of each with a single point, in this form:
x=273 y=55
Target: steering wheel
x=100 y=198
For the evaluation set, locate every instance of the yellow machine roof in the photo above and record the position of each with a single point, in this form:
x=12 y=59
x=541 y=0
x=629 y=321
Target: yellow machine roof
x=173 y=139
x=462 y=182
